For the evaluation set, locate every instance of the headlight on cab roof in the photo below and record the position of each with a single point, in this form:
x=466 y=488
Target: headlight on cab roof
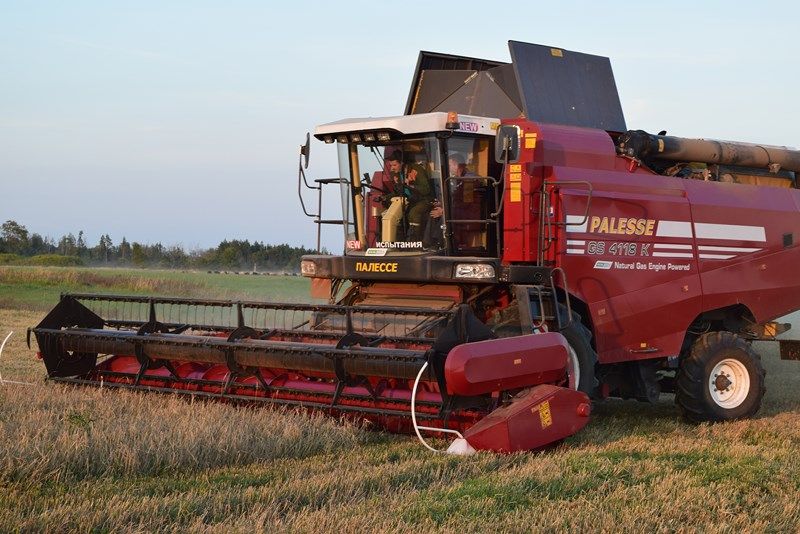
x=478 y=271
x=308 y=268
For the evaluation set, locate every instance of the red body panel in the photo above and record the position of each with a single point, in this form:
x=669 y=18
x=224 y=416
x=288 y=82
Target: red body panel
x=760 y=271
x=520 y=225
x=655 y=251
x=534 y=419
x=506 y=363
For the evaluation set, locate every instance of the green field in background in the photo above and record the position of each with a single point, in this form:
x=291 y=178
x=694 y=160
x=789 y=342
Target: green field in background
x=38 y=288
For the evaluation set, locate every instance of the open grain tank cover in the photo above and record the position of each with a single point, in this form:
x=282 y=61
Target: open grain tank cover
x=542 y=83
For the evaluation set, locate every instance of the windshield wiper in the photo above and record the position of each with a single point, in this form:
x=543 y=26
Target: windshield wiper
x=377 y=156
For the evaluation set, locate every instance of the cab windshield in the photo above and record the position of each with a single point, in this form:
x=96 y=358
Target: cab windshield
x=400 y=195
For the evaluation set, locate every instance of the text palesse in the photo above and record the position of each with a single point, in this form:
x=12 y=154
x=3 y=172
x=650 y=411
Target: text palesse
x=376 y=267
x=612 y=225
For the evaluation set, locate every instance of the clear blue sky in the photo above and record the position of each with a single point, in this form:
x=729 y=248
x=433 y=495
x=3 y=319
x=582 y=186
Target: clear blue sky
x=180 y=121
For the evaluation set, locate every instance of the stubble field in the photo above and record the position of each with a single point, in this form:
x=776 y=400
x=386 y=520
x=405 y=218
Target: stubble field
x=89 y=459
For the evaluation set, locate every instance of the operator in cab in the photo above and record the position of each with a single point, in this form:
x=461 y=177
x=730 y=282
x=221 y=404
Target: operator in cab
x=411 y=195
x=457 y=165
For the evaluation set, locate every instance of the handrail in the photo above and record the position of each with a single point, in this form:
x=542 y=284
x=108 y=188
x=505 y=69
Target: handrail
x=493 y=217
x=546 y=233
x=588 y=200
x=318 y=220
x=301 y=179
x=465 y=221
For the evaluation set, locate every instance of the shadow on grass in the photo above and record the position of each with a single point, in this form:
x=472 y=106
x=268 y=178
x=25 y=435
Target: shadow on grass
x=616 y=419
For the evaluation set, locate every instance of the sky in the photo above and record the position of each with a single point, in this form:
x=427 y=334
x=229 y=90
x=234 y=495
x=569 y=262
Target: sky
x=180 y=122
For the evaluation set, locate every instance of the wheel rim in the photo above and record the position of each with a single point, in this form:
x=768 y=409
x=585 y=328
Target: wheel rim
x=729 y=383
x=573 y=368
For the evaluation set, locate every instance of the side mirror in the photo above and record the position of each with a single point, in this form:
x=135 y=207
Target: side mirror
x=305 y=150
x=506 y=148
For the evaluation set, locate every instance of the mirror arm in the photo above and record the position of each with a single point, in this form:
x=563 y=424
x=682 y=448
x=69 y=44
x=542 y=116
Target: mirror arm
x=301 y=179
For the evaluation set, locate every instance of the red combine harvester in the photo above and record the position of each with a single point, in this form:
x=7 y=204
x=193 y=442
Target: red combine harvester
x=496 y=274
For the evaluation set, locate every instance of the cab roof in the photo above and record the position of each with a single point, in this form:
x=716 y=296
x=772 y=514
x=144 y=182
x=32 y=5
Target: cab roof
x=409 y=124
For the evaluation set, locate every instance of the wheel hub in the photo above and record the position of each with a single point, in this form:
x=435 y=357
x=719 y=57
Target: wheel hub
x=729 y=383
x=722 y=382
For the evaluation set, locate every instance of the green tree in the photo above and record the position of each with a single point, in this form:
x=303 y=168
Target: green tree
x=106 y=246
x=138 y=257
x=67 y=244
x=175 y=258
x=124 y=251
x=14 y=237
x=229 y=257
x=40 y=245
x=80 y=246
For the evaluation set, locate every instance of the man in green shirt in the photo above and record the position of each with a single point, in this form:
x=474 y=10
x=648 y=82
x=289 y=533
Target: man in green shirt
x=412 y=182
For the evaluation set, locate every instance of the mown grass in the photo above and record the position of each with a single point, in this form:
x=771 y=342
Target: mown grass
x=102 y=460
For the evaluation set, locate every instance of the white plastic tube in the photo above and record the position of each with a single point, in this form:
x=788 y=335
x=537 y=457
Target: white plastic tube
x=2 y=346
x=1 y=352
x=417 y=428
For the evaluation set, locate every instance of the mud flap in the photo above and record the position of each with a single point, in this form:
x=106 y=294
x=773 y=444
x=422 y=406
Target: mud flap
x=536 y=418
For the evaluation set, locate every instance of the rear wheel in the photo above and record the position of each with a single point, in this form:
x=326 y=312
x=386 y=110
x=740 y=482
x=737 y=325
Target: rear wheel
x=721 y=379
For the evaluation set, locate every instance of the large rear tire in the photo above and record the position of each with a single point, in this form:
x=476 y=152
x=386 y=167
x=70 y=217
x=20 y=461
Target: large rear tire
x=721 y=379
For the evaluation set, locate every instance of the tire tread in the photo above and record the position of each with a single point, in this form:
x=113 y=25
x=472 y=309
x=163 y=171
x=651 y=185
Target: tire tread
x=691 y=382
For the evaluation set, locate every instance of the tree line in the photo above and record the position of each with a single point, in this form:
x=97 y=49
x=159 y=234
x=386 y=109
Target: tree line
x=235 y=254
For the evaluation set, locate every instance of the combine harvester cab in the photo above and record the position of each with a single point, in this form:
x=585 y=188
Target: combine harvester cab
x=496 y=273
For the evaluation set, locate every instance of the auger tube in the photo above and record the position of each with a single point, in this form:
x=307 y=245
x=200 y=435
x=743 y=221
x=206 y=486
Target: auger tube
x=642 y=145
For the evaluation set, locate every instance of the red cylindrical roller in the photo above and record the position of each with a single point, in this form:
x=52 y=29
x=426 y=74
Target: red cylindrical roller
x=506 y=363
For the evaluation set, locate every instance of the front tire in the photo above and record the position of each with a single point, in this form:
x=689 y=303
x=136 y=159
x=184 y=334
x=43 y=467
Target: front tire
x=721 y=379
x=582 y=356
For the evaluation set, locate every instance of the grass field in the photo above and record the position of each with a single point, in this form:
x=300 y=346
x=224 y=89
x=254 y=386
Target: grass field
x=88 y=459
x=38 y=288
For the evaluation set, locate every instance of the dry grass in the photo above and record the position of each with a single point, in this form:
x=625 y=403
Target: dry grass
x=84 y=459
x=60 y=434
x=17 y=362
